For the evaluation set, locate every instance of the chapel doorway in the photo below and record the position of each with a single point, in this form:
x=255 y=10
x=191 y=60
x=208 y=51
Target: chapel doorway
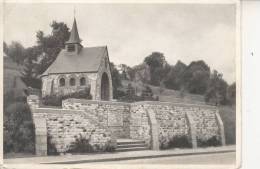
x=104 y=87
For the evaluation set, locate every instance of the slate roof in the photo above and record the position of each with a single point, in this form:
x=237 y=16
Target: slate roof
x=87 y=60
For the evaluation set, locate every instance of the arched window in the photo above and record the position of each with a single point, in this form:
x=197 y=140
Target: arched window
x=72 y=81
x=62 y=82
x=82 y=81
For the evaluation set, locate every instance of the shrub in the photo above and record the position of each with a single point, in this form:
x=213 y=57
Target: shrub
x=110 y=147
x=213 y=141
x=51 y=148
x=56 y=100
x=81 y=145
x=176 y=142
x=18 y=128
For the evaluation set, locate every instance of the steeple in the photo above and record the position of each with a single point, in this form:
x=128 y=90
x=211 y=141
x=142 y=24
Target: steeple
x=74 y=35
x=73 y=44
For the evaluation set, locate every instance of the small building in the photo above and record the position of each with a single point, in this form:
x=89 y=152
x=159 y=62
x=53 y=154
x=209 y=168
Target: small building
x=76 y=68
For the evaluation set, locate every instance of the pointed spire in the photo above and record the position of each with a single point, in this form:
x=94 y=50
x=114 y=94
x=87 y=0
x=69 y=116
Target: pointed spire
x=74 y=35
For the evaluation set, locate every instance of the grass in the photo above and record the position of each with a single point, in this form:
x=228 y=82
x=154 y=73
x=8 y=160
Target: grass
x=166 y=95
x=228 y=116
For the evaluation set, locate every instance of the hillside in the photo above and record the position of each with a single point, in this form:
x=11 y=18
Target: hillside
x=12 y=77
x=165 y=95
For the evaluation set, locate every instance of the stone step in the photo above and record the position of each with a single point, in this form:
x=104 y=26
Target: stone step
x=131 y=149
x=130 y=145
x=119 y=142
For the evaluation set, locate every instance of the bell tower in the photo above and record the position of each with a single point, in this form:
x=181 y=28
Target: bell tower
x=73 y=45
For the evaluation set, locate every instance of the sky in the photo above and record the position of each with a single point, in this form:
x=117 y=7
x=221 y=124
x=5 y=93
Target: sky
x=185 y=32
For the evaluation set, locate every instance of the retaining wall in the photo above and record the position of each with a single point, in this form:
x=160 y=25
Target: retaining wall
x=157 y=123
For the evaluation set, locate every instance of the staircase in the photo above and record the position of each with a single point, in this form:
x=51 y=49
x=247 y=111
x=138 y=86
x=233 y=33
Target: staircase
x=130 y=145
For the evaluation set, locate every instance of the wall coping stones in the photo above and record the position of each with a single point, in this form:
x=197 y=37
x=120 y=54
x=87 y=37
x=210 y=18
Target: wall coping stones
x=173 y=104
x=221 y=127
x=154 y=130
x=61 y=111
x=83 y=101
x=193 y=132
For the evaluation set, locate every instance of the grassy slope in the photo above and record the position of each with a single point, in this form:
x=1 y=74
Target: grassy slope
x=167 y=95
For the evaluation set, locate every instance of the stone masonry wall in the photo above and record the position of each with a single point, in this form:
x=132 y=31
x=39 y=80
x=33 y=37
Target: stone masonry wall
x=115 y=116
x=63 y=126
x=154 y=122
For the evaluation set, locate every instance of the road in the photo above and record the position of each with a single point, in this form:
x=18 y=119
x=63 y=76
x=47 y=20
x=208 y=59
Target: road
x=220 y=158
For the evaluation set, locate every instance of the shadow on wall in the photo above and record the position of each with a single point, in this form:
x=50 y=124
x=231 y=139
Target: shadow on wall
x=176 y=142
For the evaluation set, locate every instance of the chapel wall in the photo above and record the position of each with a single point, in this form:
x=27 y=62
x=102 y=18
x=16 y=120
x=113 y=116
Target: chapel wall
x=51 y=84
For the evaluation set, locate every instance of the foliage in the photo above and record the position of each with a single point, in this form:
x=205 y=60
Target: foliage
x=18 y=128
x=178 y=141
x=50 y=45
x=81 y=145
x=147 y=93
x=195 y=77
x=37 y=59
x=110 y=147
x=116 y=80
x=158 y=67
x=56 y=99
x=217 y=88
x=213 y=141
x=51 y=148
x=29 y=75
x=130 y=92
x=231 y=94
x=16 y=51
x=173 y=80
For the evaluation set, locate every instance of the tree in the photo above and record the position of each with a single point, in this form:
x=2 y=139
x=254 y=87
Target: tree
x=130 y=93
x=50 y=45
x=216 y=90
x=116 y=80
x=147 y=93
x=231 y=93
x=173 y=78
x=158 y=67
x=5 y=47
x=16 y=51
x=195 y=77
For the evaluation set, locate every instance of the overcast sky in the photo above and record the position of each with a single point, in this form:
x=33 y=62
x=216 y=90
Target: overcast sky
x=185 y=32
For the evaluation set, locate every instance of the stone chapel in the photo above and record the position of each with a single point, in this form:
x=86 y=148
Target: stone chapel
x=77 y=67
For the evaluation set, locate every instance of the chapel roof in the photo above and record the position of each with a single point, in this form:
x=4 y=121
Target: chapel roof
x=87 y=60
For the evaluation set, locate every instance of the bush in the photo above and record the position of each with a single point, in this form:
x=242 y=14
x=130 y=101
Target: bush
x=81 y=145
x=110 y=147
x=213 y=141
x=176 y=142
x=56 y=100
x=18 y=128
x=51 y=148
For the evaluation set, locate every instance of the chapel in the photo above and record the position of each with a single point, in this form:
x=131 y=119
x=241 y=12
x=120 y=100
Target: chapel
x=76 y=68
